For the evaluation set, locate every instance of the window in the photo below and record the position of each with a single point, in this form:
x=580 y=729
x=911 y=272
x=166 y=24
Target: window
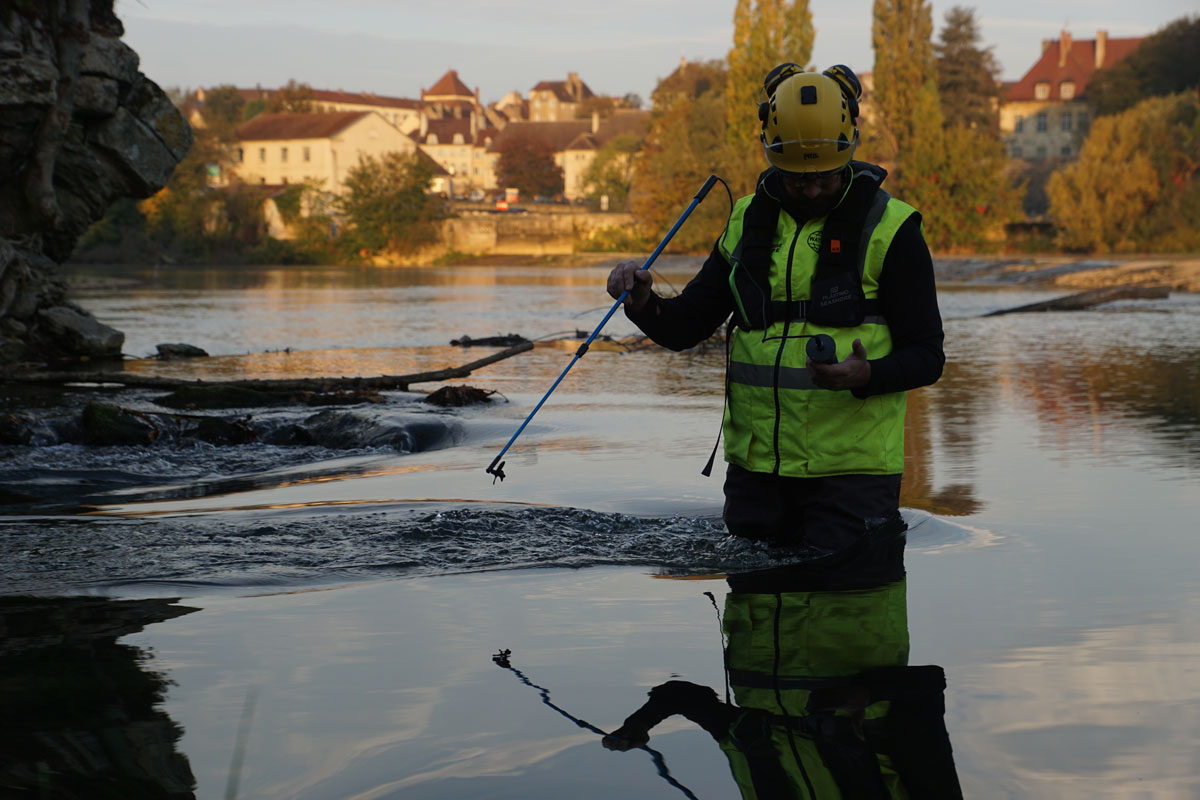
x=1066 y=151
x=1043 y=122
x=262 y=155
x=241 y=155
x=1082 y=118
x=458 y=138
x=1066 y=90
x=1066 y=121
x=283 y=155
x=1041 y=90
x=1020 y=124
x=1041 y=151
x=307 y=154
x=1016 y=151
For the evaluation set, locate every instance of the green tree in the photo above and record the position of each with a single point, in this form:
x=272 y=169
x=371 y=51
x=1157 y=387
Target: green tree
x=1164 y=63
x=684 y=145
x=1136 y=184
x=966 y=75
x=901 y=34
x=527 y=163
x=223 y=109
x=602 y=105
x=766 y=33
x=387 y=204
x=295 y=98
x=950 y=170
x=611 y=171
x=180 y=217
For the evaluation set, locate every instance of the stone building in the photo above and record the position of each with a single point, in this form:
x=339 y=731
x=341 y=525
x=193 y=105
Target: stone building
x=321 y=147
x=558 y=101
x=1044 y=115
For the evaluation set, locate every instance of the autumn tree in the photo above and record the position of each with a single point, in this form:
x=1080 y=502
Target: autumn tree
x=527 y=163
x=223 y=107
x=1136 y=183
x=611 y=171
x=387 y=204
x=295 y=98
x=951 y=171
x=966 y=75
x=766 y=33
x=684 y=145
x=1164 y=63
x=904 y=75
x=602 y=105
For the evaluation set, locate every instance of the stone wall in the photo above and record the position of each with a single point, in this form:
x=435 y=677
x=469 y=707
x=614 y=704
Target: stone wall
x=80 y=126
x=528 y=234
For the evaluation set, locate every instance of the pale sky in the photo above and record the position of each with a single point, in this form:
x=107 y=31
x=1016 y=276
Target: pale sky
x=398 y=47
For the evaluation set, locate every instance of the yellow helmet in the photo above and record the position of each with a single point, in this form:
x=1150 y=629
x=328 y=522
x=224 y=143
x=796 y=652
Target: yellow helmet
x=808 y=123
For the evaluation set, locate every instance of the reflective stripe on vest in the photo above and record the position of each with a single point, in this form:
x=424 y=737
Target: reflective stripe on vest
x=777 y=421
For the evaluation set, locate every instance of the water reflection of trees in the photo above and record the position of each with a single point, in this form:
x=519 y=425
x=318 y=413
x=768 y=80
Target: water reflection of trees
x=941 y=437
x=81 y=712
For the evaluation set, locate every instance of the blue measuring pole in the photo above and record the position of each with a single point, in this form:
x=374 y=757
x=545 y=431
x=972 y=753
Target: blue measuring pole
x=496 y=468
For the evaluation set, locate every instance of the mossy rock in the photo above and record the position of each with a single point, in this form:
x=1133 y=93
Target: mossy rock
x=109 y=425
x=215 y=430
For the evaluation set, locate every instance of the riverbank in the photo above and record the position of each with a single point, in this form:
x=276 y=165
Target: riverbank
x=1179 y=271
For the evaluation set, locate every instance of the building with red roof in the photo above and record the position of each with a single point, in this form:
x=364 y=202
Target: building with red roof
x=318 y=147
x=1044 y=115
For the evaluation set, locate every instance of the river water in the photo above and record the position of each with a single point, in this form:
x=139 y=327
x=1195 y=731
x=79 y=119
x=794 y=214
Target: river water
x=315 y=616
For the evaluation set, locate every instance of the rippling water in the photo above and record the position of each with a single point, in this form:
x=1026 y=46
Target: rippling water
x=1051 y=488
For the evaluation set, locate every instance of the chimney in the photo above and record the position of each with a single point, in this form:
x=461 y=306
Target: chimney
x=595 y=120
x=1101 y=47
x=1046 y=44
x=1064 y=47
x=423 y=131
x=573 y=87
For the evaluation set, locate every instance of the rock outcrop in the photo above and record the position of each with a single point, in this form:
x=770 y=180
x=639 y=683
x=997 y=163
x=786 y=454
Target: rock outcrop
x=80 y=126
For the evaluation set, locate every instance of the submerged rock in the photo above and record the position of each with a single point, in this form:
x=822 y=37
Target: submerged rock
x=109 y=425
x=459 y=396
x=166 y=352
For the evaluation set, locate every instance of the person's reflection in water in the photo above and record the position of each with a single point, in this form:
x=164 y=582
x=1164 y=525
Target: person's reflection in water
x=826 y=706
x=81 y=716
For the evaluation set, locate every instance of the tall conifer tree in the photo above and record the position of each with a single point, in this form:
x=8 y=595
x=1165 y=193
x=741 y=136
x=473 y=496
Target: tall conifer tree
x=952 y=174
x=966 y=75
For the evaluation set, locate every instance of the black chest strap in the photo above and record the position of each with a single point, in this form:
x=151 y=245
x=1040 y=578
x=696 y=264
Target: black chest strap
x=837 y=297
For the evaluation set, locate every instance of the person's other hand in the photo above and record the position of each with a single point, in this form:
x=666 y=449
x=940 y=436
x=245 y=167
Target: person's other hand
x=853 y=373
x=626 y=737
x=629 y=276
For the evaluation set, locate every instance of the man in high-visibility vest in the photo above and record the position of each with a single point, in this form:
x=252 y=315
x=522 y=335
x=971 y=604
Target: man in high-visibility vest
x=815 y=450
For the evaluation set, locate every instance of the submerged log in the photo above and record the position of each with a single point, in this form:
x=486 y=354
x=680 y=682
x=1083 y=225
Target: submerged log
x=1092 y=297
x=380 y=383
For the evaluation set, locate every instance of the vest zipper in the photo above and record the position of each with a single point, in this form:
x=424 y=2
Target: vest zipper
x=782 y=343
